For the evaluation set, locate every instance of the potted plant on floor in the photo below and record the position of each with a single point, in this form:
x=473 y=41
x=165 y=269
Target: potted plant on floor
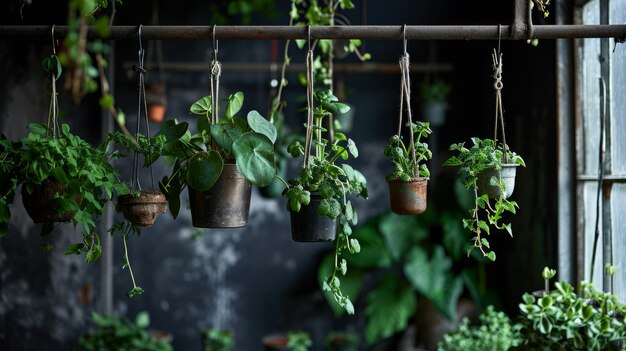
x=342 y=341
x=219 y=163
x=293 y=341
x=434 y=97
x=215 y=339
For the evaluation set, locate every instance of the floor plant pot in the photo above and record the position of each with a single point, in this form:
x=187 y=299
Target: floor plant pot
x=142 y=210
x=408 y=198
x=434 y=112
x=225 y=205
x=275 y=343
x=343 y=343
x=42 y=205
x=308 y=226
x=507 y=174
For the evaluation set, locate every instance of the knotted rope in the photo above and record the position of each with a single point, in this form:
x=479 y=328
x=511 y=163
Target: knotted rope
x=499 y=115
x=309 y=101
x=405 y=96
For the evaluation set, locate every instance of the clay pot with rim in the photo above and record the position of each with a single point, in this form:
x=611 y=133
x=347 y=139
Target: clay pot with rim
x=275 y=343
x=42 y=204
x=507 y=174
x=307 y=225
x=225 y=205
x=343 y=342
x=156 y=102
x=408 y=198
x=142 y=210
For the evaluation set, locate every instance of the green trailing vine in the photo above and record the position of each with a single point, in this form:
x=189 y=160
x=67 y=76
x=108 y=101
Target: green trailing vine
x=404 y=168
x=125 y=229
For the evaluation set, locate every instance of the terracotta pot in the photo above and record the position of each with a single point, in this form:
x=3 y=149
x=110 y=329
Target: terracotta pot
x=156 y=101
x=507 y=174
x=275 y=343
x=408 y=198
x=144 y=209
x=308 y=226
x=42 y=204
x=225 y=205
x=342 y=343
x=156 y=113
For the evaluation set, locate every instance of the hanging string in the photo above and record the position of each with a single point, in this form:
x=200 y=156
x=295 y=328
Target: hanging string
x=499 y=114
x=405 y=96
x=53 y=110
x=309 y=101
x=216 y=71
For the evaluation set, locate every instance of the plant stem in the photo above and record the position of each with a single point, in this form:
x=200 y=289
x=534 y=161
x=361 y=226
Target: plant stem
x=282 y=180
x=132 y=277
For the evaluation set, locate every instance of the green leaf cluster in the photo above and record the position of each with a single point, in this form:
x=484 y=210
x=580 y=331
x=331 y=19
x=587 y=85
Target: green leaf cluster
x=334 y=183
x=562 y=319
x=402 y=156
x=89 y=179
x=299 y=341
x=482 y=155
x=198 y=159
x=116 y=334
x=436 y=91
x=495 y=332
x=215 y=339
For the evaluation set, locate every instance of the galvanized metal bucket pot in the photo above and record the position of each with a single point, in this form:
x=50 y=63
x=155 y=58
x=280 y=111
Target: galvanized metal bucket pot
x=225 y=205
x=142 y=210
x=408 y=198
x=308 y=226
x=42 y=205
x=507 y=174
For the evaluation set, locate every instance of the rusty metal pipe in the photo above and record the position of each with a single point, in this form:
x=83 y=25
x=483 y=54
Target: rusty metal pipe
x=486 y=32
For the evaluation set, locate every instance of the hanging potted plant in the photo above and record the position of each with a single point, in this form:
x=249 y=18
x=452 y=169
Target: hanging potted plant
x=219 y=163
x=409 y=179
x=215 y=339
x=63 y=177
x=488 y=168
x=156 y=100
x=434 y=97
x=292 y=341
x=342 y=341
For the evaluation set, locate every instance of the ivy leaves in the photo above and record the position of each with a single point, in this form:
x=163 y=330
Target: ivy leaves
x=401 y=156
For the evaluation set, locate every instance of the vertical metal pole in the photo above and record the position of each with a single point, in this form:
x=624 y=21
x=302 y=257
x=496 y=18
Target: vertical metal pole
x=106 y=260
x=605 y=61
x=565 y=147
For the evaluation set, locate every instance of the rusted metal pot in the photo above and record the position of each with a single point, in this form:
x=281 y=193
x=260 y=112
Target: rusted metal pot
x=225 y=205
x=408 y=198
x=507 y=174
x=42 y=204
x=144 y=209
x=308 y=226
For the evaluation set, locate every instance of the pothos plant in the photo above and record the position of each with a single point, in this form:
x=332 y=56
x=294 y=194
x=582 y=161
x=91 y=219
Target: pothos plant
x=198 y=159
x=404 y=168
x=334 y=183
x=487 y=214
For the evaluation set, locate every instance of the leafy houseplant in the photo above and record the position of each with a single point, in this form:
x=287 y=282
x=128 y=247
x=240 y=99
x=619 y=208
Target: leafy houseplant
x=218 y=163
x=434 y=96
x=561 y=319
x=407 y=182
x=115 y=334
x=293 y=341
x=487 y=168
x=318 y=197
x=496 y=332
x=214 y=339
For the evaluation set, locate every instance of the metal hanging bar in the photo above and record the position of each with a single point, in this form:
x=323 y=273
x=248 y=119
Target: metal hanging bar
x=450 y=32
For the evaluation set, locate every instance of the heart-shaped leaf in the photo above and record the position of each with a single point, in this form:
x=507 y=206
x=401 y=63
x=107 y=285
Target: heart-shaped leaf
x=225 y=134
x=172 y=130
x=203 y=170
x=52 y=66
x=201 y=107
x=235 y=102
x=260 y=125
x=254 y=153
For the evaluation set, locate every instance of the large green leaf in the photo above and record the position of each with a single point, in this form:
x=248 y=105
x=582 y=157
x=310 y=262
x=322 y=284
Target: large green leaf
x=225 y=134
x=235 y=102
x=254 y=154
x=401 y=233
x=260 y=125
x=390 y=305
x=201 y=107
x=172 y=130
x=203 y=170
x=373 y=253
x=351 y=283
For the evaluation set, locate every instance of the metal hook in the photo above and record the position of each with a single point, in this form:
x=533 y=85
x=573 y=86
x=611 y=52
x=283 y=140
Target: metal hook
x=499 y=38
x=215 y=47
x=308 y=29
x=404 y=37
x=54 y=46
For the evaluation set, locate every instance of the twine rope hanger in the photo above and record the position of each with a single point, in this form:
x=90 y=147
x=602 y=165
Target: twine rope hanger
x=405 y=95
x=216 y=72
x=141 y=89
x=309 y=100
x=496 y=57
x=53 y=110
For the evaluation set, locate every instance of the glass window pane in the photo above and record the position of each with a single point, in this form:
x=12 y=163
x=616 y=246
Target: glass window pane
x=590 y=92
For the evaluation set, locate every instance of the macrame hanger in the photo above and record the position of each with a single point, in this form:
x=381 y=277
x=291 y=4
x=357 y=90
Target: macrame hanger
x=216 y=71
x=53 y=110
x=141 y=103
x=309 y=100
x=405 y=95
x=498 y=85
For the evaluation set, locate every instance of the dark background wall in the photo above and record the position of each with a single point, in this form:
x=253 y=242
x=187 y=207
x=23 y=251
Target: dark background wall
x=256 y=280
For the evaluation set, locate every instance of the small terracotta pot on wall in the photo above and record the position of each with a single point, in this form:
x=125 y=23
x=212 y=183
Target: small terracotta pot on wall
x=408 y=198
x=142 y=210
x=225 y=205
